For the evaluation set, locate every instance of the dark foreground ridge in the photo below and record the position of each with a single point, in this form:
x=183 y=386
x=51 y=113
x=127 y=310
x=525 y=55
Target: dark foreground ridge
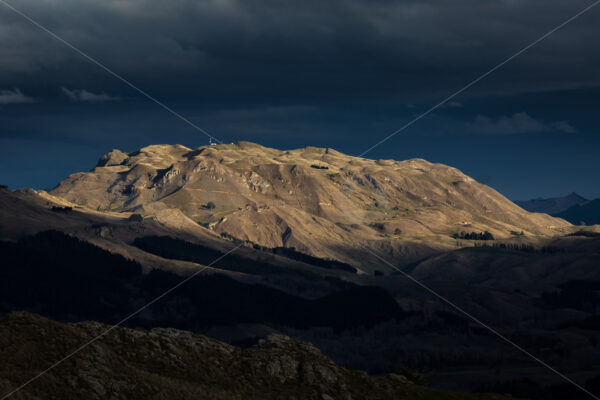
x=65 y=278
x=172 y=364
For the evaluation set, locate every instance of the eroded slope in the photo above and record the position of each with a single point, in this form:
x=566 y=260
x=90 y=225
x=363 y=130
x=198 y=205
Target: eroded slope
x=317 y=200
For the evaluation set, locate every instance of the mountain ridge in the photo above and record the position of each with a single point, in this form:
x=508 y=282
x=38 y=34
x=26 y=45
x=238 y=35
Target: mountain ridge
x=587 y=213
x=316 y=200
x=170 y=363
x=553 y=205
x=154 y=194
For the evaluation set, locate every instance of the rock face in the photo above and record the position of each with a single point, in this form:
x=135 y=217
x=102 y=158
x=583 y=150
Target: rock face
x=317 y=200
x=172 y=364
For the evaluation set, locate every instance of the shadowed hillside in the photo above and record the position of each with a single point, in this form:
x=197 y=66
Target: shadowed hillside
x=66 y=278
x=169 y=364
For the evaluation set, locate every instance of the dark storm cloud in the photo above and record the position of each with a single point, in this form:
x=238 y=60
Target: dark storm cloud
x=340 y=73
x=217 y=50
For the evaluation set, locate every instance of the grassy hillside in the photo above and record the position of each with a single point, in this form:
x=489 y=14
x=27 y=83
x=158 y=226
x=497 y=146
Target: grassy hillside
x=319 y=201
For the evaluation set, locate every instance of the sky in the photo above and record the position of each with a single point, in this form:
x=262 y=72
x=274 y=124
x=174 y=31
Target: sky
x=342 y=74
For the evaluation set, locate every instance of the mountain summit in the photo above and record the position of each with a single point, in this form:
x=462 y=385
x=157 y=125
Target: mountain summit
x=317 y=200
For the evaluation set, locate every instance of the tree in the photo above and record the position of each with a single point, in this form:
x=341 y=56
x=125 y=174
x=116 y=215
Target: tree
x=487 y=236
x=136 y=218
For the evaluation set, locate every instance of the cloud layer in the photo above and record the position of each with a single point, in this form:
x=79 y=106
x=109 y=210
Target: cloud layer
x=339 y=73
x=89 y=97
x=516 y=124
x=14 y=96
x=416 y=50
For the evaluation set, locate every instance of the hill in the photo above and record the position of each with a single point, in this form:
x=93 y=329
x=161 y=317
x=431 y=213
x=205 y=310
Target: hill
x=302 y=218
x=318 y=201
x=167 y=363
x=109 y=284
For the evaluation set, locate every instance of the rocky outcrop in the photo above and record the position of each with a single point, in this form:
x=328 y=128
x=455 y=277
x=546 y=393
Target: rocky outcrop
x=172 y=364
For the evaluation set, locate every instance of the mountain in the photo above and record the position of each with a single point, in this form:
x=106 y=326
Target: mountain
x=553 y=205
x=307 y=221
x=588 y=213
x=25 y=212
x=319 y=201
x=572 y=208
x=172 y=364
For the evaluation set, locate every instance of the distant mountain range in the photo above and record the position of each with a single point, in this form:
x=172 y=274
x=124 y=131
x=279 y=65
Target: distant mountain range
x=552 y=205
x=572 y=207
x=588 y=213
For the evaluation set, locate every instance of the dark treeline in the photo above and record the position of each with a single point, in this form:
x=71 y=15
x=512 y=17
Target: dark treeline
x=585 y=233
x=292 y=253
x=473 y=235
x=65 y=278
x=523 y=248
x=61 y=209
x=178 y=249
